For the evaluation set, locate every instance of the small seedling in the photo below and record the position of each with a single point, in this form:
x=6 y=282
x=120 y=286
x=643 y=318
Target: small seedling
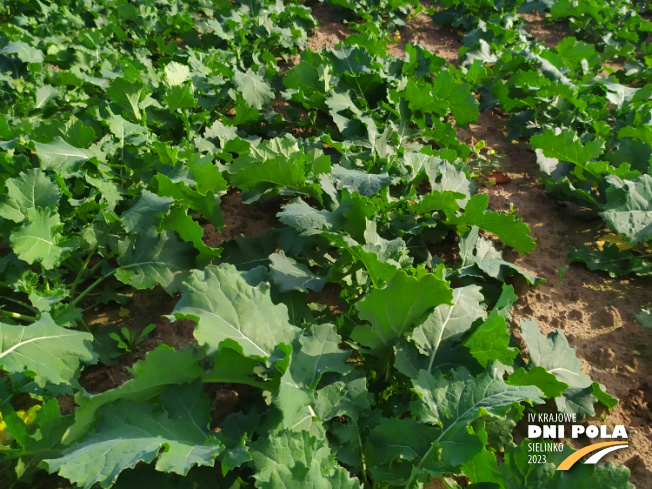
x=562 y=273
x=483 y=165
x=129 y=341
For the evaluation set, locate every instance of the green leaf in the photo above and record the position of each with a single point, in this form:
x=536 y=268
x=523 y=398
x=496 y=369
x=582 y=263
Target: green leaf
x=295 y=460
x=287 y=274
x=366 y=184
x=512 y=232
x=310 y=79
x=443 y=95
x=629 y=208
x=294 y=402
x=44 y=94
x=400 y=439
x=554 y=354
x=319 y=353
x=478 y=252
x=306 y=219
x=132 y=432
x=122 y=128
x=483 y=467
x=612 y=260
x=40 y=240
x=278 y=162
x=539 y=377
x=441 y=174
x=176 y=73
x=44 y=350
x=39 y=433
x=566 y=146
x=490 y=342
x=448 y=322
x=179 y=97
x=345 y=397
x=25 y=52
x=26 y=193
x=453 y=403
x=598 y=390
x=207 y=175
x=439 y=201
x=253 y=88
x=127 y=95
x=190 y=231
x=409 y=297
x=59 y=156
x=146 y=212
x=153 y=258
x=161 y=367
x=78 y=133
x=228 y=310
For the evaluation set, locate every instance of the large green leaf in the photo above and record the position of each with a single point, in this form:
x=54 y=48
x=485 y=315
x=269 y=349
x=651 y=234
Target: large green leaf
x=306 y=219
x=447 y=322
x=153 y=258
x=147 y=211
x=477 y=252
x=44 y=350
x=395 y=308
x=162 y=367
x=318 y=354
x=229 y=310
x=295 y=460
x=287 y=274
x=179 y=97
x=253 y=88
x=366 y=184
x=294 y=399
x=127 y=95
x=278 y=162
x=566 y=146
x=26 y=193
x=452 y=403
x=441 y=174
x=400 y=439
x=176 y=73
x=490 y=342
x=132 y=432
x=442 y=96
x=511 y=231
x=40 y=240
x=25 y=52
x=554 y=354
x=59 y=156
x=345 y=397
x=629 y=208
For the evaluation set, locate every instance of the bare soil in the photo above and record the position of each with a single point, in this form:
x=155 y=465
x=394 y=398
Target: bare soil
x=440 y=40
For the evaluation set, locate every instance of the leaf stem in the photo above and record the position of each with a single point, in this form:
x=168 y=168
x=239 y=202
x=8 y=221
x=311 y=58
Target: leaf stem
x=15 y=315
x=20 y=303
x=91 y=254
x=73 y=287
x=102 y=261
x=92 y=286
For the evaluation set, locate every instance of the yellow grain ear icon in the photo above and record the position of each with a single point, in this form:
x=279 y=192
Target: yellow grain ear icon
x=607 y=447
